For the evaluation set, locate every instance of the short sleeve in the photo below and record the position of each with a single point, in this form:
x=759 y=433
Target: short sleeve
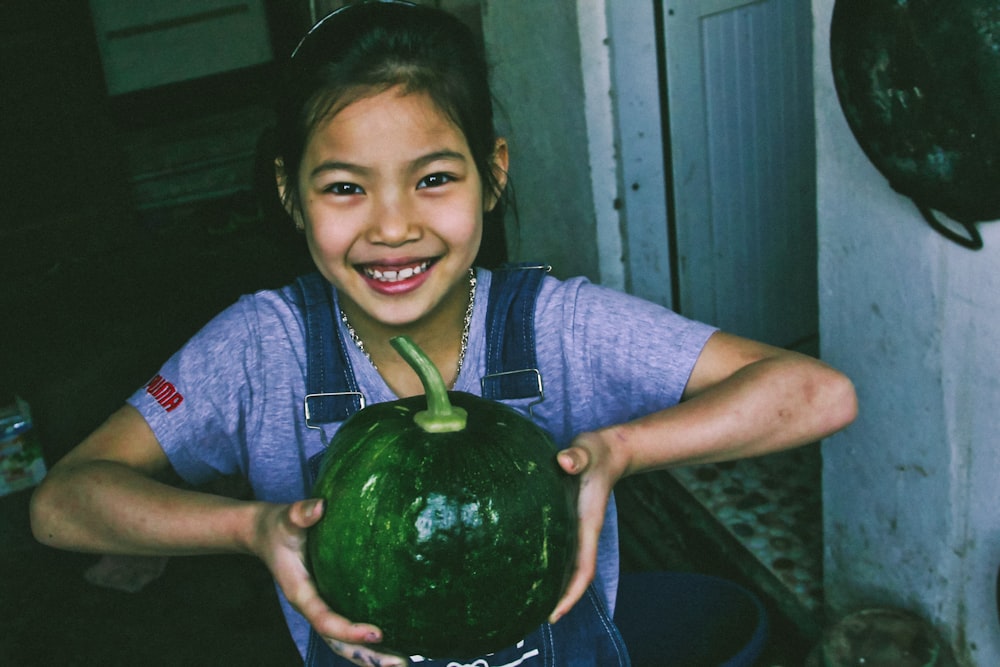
x=198 y=404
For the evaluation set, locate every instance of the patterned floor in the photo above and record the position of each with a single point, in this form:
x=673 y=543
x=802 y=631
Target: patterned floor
x=771 y=505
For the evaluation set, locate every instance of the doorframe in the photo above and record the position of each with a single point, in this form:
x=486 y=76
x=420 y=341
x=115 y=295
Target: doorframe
x=641 y=132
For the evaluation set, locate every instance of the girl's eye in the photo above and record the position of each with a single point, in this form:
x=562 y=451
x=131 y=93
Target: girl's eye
x=434 y=181
x=344 y=189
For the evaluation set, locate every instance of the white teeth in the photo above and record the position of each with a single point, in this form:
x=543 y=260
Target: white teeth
x=396 y=276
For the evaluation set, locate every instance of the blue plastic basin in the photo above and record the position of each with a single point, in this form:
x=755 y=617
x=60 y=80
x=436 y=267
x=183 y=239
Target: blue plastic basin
x=677 y=619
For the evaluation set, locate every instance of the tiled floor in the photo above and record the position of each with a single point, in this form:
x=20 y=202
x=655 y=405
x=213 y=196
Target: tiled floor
x=772 y=506
x=755 y=522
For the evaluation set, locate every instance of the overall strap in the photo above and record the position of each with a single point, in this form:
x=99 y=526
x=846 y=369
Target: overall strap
x=331 y=391
x=511 y=362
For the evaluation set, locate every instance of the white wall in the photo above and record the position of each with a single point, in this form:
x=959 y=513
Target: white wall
x=912 y=489
x=577 y=86
x=535 y=51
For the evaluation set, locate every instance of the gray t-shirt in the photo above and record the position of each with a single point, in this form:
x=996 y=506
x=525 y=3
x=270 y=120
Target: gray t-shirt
x=230 y=402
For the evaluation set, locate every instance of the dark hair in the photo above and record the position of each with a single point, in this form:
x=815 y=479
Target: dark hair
x=368 y=47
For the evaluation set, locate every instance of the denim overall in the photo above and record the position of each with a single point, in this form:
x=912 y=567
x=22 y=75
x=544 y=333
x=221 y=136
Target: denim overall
x=586 y=635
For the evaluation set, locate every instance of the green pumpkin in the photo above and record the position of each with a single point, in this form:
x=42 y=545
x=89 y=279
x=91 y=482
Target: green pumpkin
x=448 y=522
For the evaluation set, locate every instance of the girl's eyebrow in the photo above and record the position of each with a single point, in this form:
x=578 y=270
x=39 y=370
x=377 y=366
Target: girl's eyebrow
x=444 y=154
x=333 y=165
x=422 y=161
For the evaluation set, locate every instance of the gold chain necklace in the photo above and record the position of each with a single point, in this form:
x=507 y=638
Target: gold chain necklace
x=465 y=328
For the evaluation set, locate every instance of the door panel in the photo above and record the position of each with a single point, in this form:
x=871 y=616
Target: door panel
x=739 y=98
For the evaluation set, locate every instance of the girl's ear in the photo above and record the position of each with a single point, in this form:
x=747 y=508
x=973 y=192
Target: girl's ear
x=281 y=180
x=500 y=162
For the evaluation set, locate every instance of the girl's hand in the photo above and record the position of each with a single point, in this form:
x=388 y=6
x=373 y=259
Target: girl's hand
x=593 y=460
x=281 y=544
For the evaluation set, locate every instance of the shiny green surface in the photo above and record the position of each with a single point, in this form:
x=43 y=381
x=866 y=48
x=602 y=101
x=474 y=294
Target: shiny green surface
x=455 y=544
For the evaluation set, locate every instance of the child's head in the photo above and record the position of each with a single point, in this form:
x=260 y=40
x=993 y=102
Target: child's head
x=367 y=48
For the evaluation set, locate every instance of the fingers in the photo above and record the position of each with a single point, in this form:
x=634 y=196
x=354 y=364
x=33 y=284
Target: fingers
x=294 y=579
x=282 y=528
x=591 y=506
x=591 y=503
x=282 y=549
x=345 y=637
x=583 y=574
x=331 y=625
x=305 y=513
x=364 y=655
x=598 y=469
x=573 y=460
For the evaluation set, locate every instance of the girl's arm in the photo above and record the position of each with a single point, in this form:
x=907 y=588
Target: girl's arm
x=743 y=399
x=102 y=498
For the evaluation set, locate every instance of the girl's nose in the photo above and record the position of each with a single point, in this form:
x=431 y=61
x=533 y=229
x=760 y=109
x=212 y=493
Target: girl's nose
x=393 y=223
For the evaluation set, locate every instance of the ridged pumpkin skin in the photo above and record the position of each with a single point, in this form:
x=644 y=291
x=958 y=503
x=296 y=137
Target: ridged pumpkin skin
x=454 y=544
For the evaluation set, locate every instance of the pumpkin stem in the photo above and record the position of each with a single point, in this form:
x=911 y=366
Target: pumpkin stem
x=440 y=416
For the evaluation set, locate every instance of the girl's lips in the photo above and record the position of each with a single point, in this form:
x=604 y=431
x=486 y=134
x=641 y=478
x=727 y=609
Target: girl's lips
x=395 y=279
x=395 y=273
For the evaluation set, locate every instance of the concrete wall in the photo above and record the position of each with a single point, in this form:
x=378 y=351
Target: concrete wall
x=538 y=80
x=912 y=489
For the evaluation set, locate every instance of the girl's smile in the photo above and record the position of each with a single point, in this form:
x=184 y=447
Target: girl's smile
x=396 y=279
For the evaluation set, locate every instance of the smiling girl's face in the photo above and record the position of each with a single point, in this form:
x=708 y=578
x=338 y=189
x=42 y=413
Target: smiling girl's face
x=392 y=205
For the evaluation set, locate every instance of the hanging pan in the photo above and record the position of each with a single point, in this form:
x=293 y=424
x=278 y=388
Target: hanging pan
x=919 y=84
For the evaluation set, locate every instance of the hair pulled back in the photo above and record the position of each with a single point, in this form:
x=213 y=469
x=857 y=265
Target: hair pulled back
x=369 y=47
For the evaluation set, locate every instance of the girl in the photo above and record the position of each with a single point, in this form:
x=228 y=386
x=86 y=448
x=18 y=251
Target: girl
x=388 y=162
